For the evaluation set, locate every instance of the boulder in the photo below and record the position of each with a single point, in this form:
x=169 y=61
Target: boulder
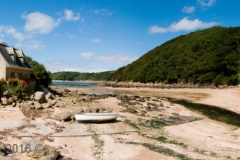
x=2 y=149
x=63 y=116
x=53 y=102
x=7 y=93
x=26 y=106
x=40 y=97
x=41 y=151
x=18 y=105
x=46 y=105
x=38 y=105
x=4 y=100
x=49 y=96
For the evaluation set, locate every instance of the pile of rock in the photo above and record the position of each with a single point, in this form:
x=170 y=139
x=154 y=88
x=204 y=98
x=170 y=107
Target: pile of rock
x=38 y=100
x=160 y=85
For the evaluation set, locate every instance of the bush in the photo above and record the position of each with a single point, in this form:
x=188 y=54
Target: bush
x=17 y=86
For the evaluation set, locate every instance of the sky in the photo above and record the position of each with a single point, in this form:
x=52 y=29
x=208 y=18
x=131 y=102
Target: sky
x=104 y=35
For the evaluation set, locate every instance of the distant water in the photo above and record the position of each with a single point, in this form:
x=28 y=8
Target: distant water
x=69 y=83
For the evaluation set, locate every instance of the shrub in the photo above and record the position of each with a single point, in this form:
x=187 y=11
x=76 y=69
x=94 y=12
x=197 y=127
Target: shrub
x=17 y=86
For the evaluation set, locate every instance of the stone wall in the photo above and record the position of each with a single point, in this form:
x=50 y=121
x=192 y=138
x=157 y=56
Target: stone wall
x=2 y=68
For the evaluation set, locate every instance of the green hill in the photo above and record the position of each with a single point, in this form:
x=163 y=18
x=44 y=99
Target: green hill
x=204 y=56
x=77 y=76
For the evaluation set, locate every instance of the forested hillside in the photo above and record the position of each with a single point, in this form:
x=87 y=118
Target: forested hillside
x=209 y=56
x=76 y=76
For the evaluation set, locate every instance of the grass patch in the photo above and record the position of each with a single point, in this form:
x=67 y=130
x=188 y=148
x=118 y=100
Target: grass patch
x=212 y=112
x=130 y=123
x=165 y=140
x=200 y=151
x=163 y=150
x=153 y=124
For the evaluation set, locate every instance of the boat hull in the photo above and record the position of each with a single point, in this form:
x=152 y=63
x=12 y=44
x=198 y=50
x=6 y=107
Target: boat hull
x=96 y=117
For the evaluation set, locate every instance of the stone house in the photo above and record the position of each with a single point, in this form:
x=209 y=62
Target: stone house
x=13 y=63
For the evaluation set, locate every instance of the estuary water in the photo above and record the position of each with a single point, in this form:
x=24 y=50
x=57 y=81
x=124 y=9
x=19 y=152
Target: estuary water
x=73 y=83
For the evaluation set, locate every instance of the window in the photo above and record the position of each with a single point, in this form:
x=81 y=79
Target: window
x=20 y=75
x=12 y=75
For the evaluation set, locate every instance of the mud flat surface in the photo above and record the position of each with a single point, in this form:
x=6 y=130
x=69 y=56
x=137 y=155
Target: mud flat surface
x=149 y=125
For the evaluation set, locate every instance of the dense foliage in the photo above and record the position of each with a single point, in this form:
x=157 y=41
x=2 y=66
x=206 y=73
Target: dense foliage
x=42 y=76
x=209 y=56
x=76 y=76
x=16 y=86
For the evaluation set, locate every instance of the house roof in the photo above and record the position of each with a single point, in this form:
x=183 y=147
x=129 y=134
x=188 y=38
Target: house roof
x=7 y=52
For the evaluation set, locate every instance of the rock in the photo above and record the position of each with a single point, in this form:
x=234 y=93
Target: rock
x=41 y=151
x=66 y=90
x=38 y=105
x=131 y=110
x=63 y=116
x=13 y=104
x=142 y=114
x=32 y=106
x=131 y=97
x=46 y=105
x=18 y=105
x=15 y=98
x=26 y=106
x=30 y=103
x=48 y=157
x=161 y=104
x=57 y=105
x=141 y=100
x=2 y=149
x=49 y=96
x=88 y=99
x=53 y=102
x=4 y=100
x=50 y=123
x=10 y=100
x=7 y=93
x=40 y=97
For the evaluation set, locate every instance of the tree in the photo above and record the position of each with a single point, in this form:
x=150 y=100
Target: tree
x=42 y=76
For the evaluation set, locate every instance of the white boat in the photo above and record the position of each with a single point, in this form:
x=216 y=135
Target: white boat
x=96 y=117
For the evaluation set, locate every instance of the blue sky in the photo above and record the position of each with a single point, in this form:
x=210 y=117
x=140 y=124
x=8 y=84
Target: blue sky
x=102 y=35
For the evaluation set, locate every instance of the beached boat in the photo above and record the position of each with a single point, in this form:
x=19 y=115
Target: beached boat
x=96 y=117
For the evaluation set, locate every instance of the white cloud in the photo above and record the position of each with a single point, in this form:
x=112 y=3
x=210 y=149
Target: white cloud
x=39 y=23
x=11 y=31
x=102 y=11
x=97 y=11
x=96 y=40
x=57 y=66
x=188 y=9
x=115 y=58
x=85 y=55
x=34 y=45
x=183 y=25
x=207 y=3
x=69 y=15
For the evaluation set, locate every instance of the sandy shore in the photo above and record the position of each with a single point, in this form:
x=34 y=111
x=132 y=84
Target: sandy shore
x=200 y=139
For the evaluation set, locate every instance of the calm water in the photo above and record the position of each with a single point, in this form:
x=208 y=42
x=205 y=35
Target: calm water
x=74 y=83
